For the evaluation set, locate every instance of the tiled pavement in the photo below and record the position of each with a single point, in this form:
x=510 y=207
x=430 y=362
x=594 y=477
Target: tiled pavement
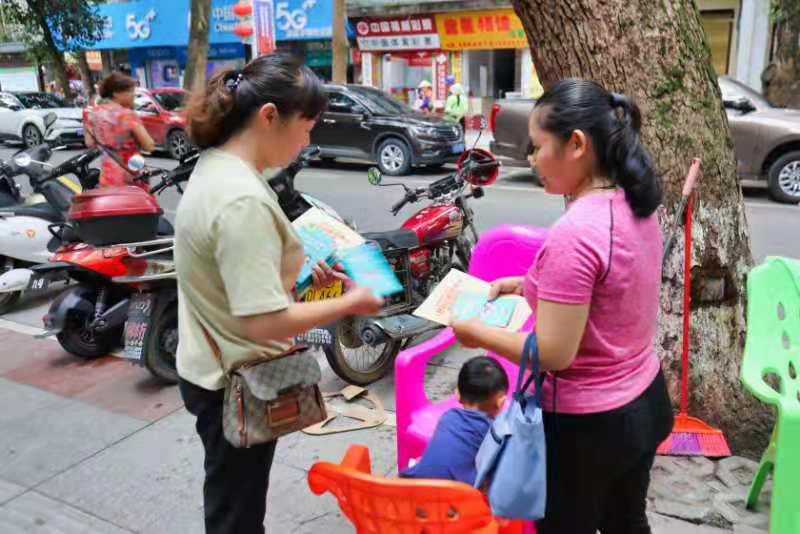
x=100 y=447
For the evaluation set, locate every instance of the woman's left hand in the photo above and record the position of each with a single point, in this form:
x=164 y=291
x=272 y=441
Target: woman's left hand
x=323 y=275
x=469 y=333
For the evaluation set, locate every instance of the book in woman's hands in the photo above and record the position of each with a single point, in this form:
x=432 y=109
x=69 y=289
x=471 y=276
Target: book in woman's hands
x=367 y=266
x=460 y=296
x=321 y=235
x=327 y=239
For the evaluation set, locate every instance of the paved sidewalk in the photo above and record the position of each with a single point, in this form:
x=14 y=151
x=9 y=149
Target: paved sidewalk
x=99 y=447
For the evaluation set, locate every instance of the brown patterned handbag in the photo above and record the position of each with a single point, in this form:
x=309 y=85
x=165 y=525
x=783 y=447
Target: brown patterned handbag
x=269 y=398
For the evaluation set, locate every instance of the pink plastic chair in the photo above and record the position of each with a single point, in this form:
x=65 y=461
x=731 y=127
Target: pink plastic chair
x=507 y=250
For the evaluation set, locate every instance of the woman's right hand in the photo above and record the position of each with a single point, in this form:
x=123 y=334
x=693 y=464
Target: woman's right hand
x=511 y=285
x=362 y=301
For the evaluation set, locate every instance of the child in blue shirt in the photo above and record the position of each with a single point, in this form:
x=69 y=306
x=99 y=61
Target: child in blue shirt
x=450 y=455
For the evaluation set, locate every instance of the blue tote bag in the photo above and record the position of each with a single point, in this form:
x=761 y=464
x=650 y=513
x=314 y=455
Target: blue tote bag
x=511 y=462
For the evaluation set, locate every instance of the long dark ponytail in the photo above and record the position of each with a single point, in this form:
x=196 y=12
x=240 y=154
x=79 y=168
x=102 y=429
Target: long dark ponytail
x=612 y=121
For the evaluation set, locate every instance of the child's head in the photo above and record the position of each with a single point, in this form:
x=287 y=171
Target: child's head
x=482 y=385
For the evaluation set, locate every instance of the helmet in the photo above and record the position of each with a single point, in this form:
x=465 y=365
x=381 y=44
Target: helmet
x=479 y=157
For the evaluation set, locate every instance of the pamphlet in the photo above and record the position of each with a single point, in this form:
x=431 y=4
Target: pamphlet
x=321 y=235
x=367 y=266
x=460 y=296
x=327 y=239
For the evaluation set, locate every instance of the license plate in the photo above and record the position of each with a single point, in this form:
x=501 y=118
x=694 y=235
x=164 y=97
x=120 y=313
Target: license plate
x=38 y=282
x=136 y=326
x=316 y=337
x=458 y=149
x=334 y=290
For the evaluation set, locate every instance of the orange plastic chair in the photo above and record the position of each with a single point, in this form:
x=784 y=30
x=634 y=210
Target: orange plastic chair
x=378 y=505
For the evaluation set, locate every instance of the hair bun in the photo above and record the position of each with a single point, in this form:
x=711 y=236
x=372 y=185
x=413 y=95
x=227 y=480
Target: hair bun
x=618 y=100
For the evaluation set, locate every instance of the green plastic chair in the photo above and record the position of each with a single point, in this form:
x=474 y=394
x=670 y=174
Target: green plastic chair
x=773 y=346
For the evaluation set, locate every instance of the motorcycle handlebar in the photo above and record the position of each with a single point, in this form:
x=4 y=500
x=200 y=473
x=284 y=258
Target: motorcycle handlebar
x=477 y=167
x=78 y=161
x=397 y=207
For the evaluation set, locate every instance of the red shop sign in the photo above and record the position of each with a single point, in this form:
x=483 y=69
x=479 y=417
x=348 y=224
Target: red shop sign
x=397 y=33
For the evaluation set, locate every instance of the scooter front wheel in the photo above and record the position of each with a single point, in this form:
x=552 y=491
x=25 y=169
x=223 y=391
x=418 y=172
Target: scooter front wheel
x=8 y=299
x=356 y=362
x=78 y=339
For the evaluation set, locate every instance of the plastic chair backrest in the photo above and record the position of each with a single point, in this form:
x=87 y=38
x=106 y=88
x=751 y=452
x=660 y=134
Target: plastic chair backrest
x=401 y=506
x=506 y=250
x=773 y=333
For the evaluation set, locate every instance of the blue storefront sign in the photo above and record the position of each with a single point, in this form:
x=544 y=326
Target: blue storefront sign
x=156 y=23
x=303 y=19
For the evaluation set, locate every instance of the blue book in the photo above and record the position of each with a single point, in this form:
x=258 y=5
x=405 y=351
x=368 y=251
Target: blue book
x=321 y=235
x=317 y=245
x=367 y=266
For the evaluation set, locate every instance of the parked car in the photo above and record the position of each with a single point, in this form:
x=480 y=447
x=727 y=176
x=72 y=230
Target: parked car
x=163 y=115
x=365 y=123
x=766 y=139
x=508 y=122
x=23 y=118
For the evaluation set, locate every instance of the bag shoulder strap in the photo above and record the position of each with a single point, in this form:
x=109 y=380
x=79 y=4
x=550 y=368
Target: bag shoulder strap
x=530 y=354
x=214 y=348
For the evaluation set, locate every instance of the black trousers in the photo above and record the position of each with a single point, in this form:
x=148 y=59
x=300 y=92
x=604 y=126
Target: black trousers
x=598 y=465
x=236 y=483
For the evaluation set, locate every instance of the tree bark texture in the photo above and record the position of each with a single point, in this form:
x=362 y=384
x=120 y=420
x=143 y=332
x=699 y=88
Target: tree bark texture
x=340 y=49
x=782 y=77
x=655 y=52
x=195 y=74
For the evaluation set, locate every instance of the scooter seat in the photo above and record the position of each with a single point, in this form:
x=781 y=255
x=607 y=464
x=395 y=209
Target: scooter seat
x=401 y=238
x=41 y=211
x=165 y=228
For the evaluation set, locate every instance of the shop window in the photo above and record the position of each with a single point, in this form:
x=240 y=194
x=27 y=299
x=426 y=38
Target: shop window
x=718 y=26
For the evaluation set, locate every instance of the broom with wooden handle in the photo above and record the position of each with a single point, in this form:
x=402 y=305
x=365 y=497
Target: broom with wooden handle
x=690 y=436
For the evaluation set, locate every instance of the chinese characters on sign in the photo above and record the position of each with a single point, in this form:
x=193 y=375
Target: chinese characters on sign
x=264 y=22
x=413 y=33
x=481 y=30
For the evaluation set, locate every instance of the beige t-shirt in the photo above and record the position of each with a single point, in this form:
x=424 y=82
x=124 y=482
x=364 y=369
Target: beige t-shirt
x=236 y=254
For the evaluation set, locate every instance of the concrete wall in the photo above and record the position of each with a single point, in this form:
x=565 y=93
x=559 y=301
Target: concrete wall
x=755 y=35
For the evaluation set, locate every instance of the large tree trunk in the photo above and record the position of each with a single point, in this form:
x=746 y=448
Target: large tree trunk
x=59 y=67
x=340 y=49
x=657 y=54
x=58 y=64
x=195 y=74
x=107 y=57
x=86 y=76
x=782 y=77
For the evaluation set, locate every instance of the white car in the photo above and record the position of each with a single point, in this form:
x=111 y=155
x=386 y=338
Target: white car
x=24 y=117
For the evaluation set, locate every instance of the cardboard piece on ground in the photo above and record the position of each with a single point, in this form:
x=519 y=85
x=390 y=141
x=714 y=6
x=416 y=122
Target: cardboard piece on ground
x=368 y=417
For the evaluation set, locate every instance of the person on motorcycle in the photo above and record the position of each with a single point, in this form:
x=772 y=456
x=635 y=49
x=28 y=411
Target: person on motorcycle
x=595 y=288
x=115 y=126
x=457 y=105
x=237 y=258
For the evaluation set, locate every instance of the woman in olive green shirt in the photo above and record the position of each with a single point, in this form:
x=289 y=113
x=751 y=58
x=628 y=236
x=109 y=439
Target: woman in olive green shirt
x=237 y=258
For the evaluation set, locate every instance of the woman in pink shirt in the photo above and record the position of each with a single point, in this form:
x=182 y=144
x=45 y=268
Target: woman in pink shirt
x=595 y=288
